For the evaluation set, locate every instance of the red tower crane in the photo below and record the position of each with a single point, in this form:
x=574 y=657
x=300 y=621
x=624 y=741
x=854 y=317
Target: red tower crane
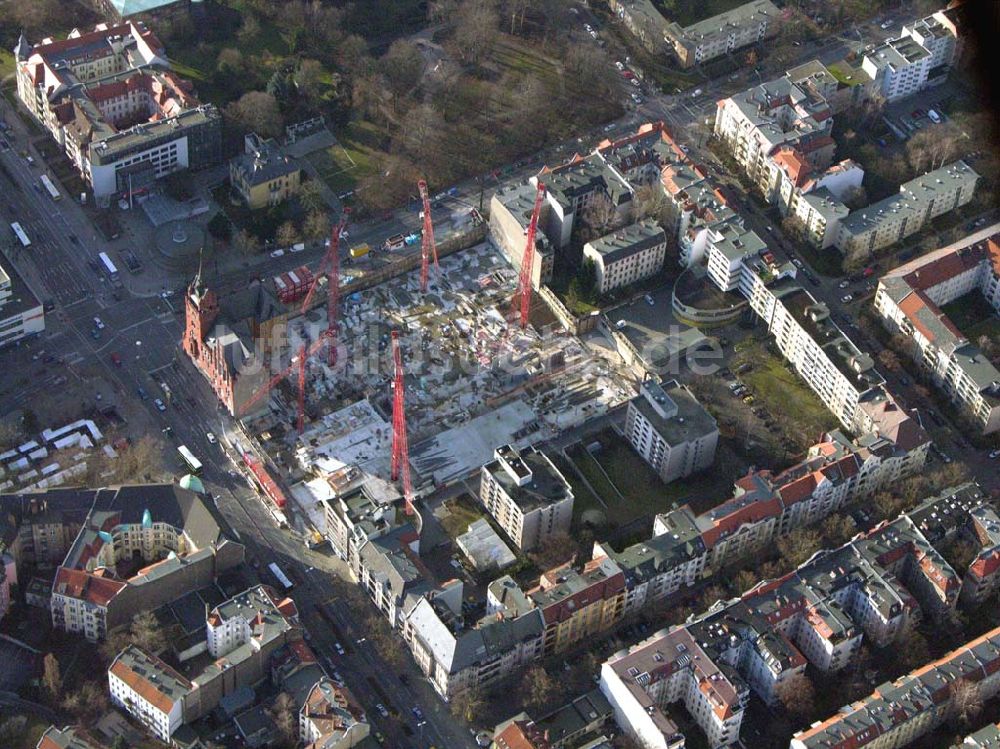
x=528 y=260
x=298 y=363
x=427 y=247
x=330 y=267
x=400 y=446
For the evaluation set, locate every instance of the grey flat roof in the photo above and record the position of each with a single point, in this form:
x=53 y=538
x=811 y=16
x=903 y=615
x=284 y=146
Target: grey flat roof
x=21 y=299
x=692 y=421
x=633 y=239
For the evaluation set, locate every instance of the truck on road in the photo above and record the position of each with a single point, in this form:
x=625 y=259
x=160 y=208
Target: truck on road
x=360 y=250
x=395 y=242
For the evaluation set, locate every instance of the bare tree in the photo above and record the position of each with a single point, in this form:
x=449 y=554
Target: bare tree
x=287 y=234
x=147 y=633
x=285 y=716
x=246 y=243
x=310 y=196
x=468 y=705
x=838 y=530
x=798 y=695
x=10 y=435
x=855 y=197
x=538 y=688
x=558 y=549
x=258 y=112
x=309 y=77
x=966 y=703
x=889 y=359
x=476 y=31
x=649 y=201
x=86 y=703
x=402 y=66
x=799 y=545
x=52 y=676
x=317 y=226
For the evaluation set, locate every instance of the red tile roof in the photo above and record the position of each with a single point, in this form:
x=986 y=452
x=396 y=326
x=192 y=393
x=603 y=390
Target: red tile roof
x=144 y=687
x=93 y=588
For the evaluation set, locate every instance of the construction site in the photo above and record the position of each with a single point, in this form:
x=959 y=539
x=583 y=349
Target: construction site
x=473 y=379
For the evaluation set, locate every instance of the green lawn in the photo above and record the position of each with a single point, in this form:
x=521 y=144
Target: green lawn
x=629 y=476
x=782 y=392
x=460 y=513
x=342 y=166
x=6 y=63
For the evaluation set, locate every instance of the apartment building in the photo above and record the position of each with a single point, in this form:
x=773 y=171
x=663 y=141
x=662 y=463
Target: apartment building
x=587 y=187
x=731 y=251
x=510 y=214
x=909 y=301
x=726 y=32
x=836 y=370
x=901 y=711
x=139 y=548
x=984 y=738
x=627 y=255
x=576 y=605
x=457 y=652
x=563 y=728
x=389 y=570
x=644 y=21
x=686 y=547
x=21 y=312
x=900 y=67
x=754 y=124
x=149 y=690
x=242 y=635
x=667 y=668
x=888 y=221
x=331 y=717
x=671 y=430
x=70 y=737
x=111 y=102
x=360 y=513
x=262 y=176
x=874 y=587
x=527 y=496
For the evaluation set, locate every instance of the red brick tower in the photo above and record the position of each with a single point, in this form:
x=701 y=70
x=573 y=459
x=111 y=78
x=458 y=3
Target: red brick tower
x=201 y=308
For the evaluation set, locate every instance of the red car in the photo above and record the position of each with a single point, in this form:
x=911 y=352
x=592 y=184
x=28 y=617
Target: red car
x=116 y=359
x=628 y=74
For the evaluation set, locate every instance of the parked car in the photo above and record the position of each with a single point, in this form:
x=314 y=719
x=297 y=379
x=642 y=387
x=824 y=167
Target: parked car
x=277 y=253
x=995 y=454
x=116 y=358
x=142 y=393
x=211 y=438
x=98 y=323
x=160 y=406
x=847 y=299
x=844 y=284
x=382 y=711
x=933 y=116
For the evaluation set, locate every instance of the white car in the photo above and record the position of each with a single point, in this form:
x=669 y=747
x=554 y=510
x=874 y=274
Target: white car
x=277 y=253
x=796 y=262
x=211 y=438
x=995 y=454
x=98 y=323
x=847 y=299
x=620 y=65
x=885 y=25
x=382 y=711
x=696 y=93
x=844 y=284
x=159 y=405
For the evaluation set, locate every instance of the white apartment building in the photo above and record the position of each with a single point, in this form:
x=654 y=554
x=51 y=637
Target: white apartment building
x=755 y=123
x=627 y=255
x=671 y=430
x=672 y=667
x=21 y=313
x=937 y=34
x=730 y=249
x=900 y=67
x=837 y=371
x=527 y=496
x=149 y=691
x=909 y=301
x=723 y=33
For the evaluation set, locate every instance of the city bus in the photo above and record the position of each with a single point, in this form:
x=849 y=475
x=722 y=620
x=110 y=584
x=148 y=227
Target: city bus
x=109 y=269
x=21 y=236
x=193 y=464
x=280 y=576
x=49 y=187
